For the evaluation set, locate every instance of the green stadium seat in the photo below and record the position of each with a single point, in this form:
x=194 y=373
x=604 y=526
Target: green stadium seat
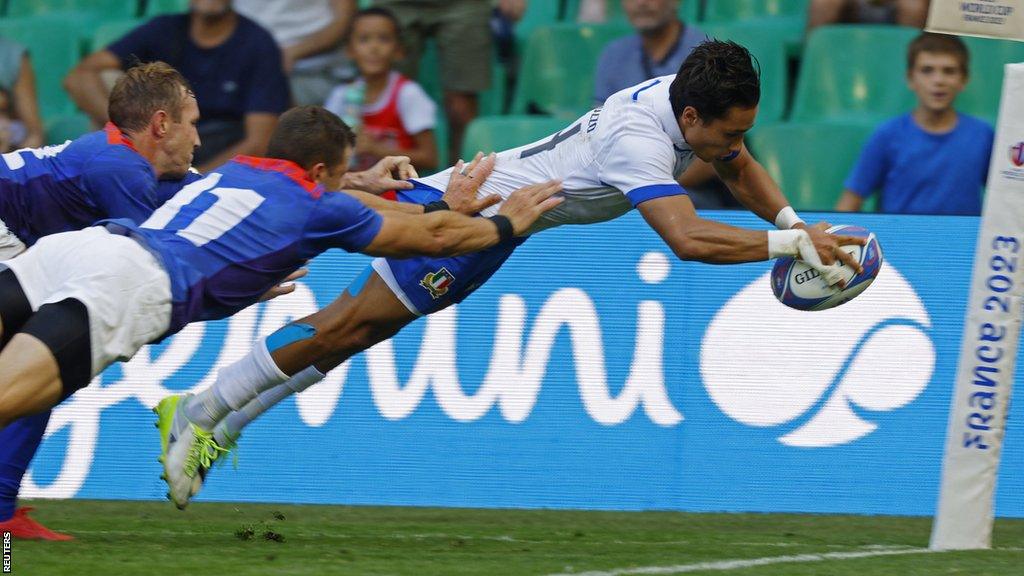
x=854 y=73
x=53 y=44
x=737 y=10
x=689 y=10
x=542 y=13
x=107 y=33
x=497 y=133
x=784 y=19
x=770 y=52
x=66 y=127
x=113 y=9
x=556 y=75
x=157 y=7
x=985 y=85
x=810 y=161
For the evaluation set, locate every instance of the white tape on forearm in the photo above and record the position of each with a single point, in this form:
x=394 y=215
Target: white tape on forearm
x=787 y=218
x=785 y=242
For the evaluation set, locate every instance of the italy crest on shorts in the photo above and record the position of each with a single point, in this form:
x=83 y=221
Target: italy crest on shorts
x=437 y=283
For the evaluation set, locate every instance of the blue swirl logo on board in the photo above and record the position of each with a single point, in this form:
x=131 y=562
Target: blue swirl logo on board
x=815 y=376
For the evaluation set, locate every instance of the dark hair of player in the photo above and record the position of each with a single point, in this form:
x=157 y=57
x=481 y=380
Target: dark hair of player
x=142 y=91
x=374 y=11
x=309 y=135
x=938 y=44
x=715 y=77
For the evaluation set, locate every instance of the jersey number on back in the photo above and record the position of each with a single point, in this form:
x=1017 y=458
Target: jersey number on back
x=231 y=207
x=550 y=144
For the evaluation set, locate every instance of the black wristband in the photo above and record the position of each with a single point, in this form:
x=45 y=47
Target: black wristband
x=505 y=230
x=435 y=206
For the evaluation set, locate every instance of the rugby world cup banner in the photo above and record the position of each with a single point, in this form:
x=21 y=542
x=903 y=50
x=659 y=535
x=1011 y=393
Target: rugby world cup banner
x=986 y=18
x=593 y=371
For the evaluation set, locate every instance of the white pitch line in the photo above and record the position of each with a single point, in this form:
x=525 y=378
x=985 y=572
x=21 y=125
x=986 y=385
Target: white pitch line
x=725 y=565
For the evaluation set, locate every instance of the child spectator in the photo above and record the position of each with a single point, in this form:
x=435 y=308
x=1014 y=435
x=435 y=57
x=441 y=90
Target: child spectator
x=397 y=116
x=933 y=160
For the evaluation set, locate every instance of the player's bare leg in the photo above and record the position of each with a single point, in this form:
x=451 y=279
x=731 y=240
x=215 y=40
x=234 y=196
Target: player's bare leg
x=365 y=314
x=29 y=378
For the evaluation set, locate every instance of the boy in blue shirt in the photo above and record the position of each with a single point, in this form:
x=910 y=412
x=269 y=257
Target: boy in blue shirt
x=933 y=160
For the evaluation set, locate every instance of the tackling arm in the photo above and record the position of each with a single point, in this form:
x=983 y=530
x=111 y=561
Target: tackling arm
x=446 y=233
x=381 y=205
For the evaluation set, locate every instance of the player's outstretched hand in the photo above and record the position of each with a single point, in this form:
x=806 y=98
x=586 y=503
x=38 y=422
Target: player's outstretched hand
x=465 y=182
x=525 y=205
x=287 y=286
x=389 y=173
x=828 y=245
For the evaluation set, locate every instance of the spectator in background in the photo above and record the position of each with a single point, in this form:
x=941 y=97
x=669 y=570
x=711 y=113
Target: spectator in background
x=902 y=12
x=20 y=126
x=933 y=160
x=233 y=65
x=463 y=34
x=395 y=115
x=661 y=43
x=310 y=34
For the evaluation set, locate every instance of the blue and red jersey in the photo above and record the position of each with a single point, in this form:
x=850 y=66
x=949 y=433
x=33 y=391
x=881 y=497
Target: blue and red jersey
x=226 y=239
x=70 y=186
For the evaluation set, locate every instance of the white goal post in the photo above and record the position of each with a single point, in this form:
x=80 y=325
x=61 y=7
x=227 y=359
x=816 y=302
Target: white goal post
x=988 y=355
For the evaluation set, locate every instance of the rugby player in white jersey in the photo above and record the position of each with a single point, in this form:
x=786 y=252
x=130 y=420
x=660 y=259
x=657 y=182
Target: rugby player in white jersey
x=624 y=155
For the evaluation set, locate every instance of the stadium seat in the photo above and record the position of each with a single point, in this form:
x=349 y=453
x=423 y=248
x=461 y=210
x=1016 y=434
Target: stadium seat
x=809 y=161
x=107 y=33
x=537 y=14
x=497 y=133
x=556 y=75
x=981 y=97
x=770 y=52
x=736 y=10
x=66 y=127
x=114 y=9
x=157 y=7
x=854 y=73
x=53 y=44
x=784 y=19
x=689 y=10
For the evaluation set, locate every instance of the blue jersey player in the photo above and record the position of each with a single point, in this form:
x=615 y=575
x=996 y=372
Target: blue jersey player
x=112 y=173
x=625 y=155
x=78 y=301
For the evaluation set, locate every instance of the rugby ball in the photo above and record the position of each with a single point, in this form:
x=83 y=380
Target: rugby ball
x=799 y=286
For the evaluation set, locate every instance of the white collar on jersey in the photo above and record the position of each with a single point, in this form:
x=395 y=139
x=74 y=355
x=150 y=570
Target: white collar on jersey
x=659 y=101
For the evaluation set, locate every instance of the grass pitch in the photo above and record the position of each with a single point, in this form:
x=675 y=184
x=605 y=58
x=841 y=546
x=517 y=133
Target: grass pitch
x=129 y=538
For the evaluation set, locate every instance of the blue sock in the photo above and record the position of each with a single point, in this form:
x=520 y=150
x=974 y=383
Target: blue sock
x=18 y=444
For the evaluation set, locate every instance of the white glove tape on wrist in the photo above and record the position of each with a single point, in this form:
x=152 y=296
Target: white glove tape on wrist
x=787 y=218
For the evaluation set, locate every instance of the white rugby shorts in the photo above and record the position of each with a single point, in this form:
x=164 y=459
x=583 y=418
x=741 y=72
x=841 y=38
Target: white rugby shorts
x=122 y=285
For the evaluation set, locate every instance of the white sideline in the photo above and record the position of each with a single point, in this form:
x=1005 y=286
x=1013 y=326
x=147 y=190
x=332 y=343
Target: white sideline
x=725 y=565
